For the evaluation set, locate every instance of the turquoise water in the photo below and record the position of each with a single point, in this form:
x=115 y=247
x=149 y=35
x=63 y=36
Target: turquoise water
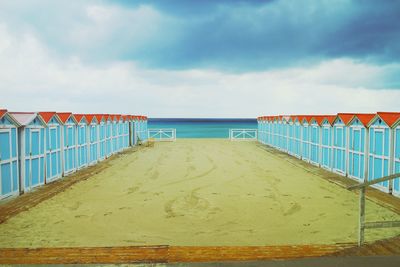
x=202 y=128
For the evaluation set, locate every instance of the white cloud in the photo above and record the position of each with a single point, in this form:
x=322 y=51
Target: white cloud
x=33 y=78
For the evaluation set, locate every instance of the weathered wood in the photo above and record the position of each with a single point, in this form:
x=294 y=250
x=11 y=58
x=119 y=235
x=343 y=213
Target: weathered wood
x=382 y=224
x=163 y=254
x=372 y=182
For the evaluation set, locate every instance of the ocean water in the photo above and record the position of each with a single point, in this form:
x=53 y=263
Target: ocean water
x=202 y=128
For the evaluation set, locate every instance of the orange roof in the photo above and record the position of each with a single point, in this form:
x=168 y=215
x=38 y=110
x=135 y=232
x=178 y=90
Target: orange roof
x=320 y=118
x=346 y=117
x=2 y=112
x=64 y=116
x=89 y=117
x=99 y=117
x=47 y=115
x=390 y=118
x=307 y=118
x=79 y=117
x=365 y=118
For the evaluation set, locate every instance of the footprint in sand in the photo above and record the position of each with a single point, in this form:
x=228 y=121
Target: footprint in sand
x=133 y=189
x=81 y=216
x=293 y=209
x=107 y=213
x=75 y=206
x=154 y=175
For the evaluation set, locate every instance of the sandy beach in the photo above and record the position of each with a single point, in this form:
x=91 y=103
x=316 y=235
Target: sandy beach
x=197 y=192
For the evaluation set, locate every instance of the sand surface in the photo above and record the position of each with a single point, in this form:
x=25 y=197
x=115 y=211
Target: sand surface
x=197 y=192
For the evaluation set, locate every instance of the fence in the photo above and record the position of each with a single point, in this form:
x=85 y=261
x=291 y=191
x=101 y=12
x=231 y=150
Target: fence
x=243 y=134
x=162 y=134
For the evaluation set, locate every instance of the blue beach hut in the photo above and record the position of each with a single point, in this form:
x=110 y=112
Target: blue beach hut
x=326 y=142
x=315 y=141
x=53 y=146
x=82 y=141
x=396 y=157
x=102 y=135
x=109 y=126
x=93 y=139
x=305 y=138
x=380 y=143
x=144 y=130
x=296 y=136
x=290 y=136
x=126 y=123
x=132 y=130
x=339 y=144
x=358 y=146
x=68 y=143
x=9 y=174
x=31 y=151
x=115 y=133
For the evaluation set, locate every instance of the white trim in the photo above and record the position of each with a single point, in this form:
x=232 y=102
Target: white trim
x=30 y=158
x=10 y=161
x=50 y=152
x=337 y=148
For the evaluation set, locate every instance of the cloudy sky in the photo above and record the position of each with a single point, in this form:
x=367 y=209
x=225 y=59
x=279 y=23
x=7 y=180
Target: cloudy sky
x=206 y=58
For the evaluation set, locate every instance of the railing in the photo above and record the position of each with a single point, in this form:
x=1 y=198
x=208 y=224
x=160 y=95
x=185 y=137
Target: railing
x=162 y=134
x=243 y=134
x=371 y=225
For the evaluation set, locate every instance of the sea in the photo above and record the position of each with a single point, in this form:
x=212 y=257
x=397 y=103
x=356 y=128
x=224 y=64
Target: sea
x=202 y=128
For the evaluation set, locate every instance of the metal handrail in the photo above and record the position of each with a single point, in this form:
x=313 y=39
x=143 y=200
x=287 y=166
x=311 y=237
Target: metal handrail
x=370 y=225
x=243 y=134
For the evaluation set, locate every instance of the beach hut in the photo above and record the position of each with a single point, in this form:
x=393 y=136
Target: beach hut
x=339 y=144
x=315 y=139
x=9 y=173
x=125 y=134
x=143 y=128
x=68 y=144
x=31 y=135
x=274 y=132
x=396 y=158
x=296 y=137
x=109 y=126
x=53 y=145
x=93 y=139
x=82 y=141
x=380 y=144
x=326 y=141
x=115 y=133
x=132 y=130
x=283 y=133
x=101 y=119
x=305 y=138
x=358 y=146
x=290 y=135
x=267 y=122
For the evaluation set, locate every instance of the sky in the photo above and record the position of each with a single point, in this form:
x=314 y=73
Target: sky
x=209 y=58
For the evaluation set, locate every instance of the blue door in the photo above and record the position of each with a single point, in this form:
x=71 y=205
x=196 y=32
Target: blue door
x=339 y=150
x=34 y=158
x=314 y=145
x=82 y=146
x=8 y=163
x=306 y=144
x=326 y=147
x=53 y=154
x=396 y=182
x=378 y=160
x=69 y=149
x=102 y=141
x=93 y=144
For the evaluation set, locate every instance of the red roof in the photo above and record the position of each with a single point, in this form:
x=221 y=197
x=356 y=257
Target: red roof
x=79 y=117
x=346 y=117
x=99 y=117
x=320 y=118
x=307 y=118
x=64 y=116
x=365 y=118
x=2 y=112
x=89 y=117
x=47 y=115
x=390 y=118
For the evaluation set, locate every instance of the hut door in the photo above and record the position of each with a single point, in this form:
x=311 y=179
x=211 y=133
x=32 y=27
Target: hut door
x=396 y=183
x=356 y=157
x=35 y=158
x=53 y=154
x=378 y=158
x=6 y=185
x=69 y=149
x=82 y=149
x=339 y=144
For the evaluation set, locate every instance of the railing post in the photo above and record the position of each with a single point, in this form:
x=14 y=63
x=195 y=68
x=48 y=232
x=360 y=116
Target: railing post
x=361 y=227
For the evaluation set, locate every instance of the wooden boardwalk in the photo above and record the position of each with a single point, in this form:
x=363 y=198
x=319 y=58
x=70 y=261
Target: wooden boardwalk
x=162 y=254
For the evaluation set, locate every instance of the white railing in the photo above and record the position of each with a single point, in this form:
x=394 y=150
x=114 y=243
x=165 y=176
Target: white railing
x=243 y=134
x=162 y=134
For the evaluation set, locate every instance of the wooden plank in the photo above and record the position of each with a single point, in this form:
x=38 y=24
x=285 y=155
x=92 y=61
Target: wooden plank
x=372 y=182
x=361 y=224
x=382 y=224
x=162 y=254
